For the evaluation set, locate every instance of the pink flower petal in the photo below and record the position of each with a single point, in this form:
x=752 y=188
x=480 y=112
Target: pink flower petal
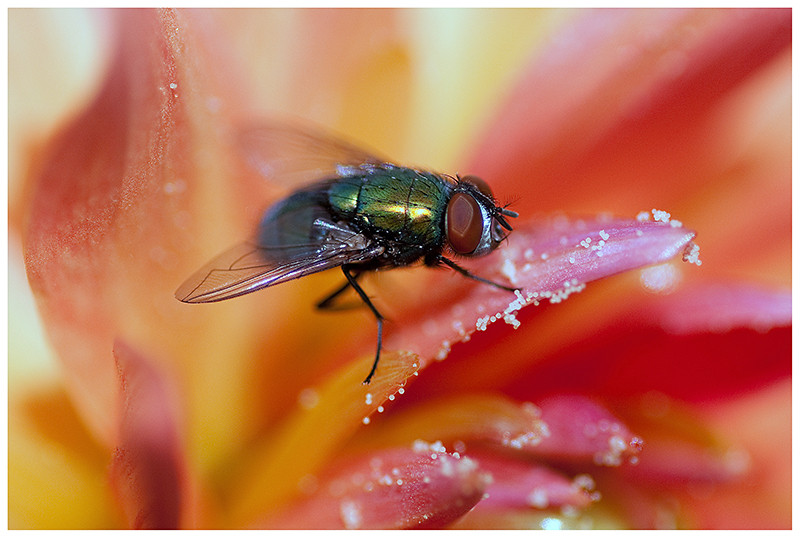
x=580 y=430
x=518 y=483
x=563 y=428
x=148 y=471
x=549 y=259
x=421 y=487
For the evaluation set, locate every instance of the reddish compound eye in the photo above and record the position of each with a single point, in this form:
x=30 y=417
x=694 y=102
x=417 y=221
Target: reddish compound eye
x=464 y=223
x=480 y=184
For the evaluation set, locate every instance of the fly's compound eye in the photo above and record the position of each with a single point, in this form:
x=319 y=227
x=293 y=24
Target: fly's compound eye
x=480 y=184
x=464 y=223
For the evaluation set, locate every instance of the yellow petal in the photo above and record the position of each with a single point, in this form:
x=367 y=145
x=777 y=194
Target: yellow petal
x=328 y=415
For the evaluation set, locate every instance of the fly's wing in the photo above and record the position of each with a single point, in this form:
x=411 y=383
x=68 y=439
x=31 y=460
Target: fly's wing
x=251 y=266
x=297 y=236
x=292 y=155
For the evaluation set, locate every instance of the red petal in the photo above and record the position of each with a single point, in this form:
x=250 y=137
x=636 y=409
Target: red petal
x=147 y=472
x=423 y=487
x=700 y=343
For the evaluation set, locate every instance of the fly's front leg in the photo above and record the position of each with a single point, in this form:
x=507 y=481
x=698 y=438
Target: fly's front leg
x=455 y=266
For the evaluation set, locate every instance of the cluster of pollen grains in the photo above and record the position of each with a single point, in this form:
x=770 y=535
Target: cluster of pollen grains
x=509 y=314
x=691 y=254
x=659 y=215
x=561 y=294
x=596 y=246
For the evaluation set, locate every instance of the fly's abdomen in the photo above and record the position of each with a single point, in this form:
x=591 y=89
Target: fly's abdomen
x=398 y=203
x=291 y=221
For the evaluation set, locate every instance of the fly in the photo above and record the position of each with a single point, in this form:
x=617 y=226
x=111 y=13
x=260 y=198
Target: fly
x=359 y=213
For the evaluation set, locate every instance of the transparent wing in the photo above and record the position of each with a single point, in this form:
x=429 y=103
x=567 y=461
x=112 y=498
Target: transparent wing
x=249 y=266
x=293 y=155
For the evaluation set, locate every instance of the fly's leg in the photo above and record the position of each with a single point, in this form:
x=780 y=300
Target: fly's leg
x=351 y=281
x=327 y=302
x=454 y=265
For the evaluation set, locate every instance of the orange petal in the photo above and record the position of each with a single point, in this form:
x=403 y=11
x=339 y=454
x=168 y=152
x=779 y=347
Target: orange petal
x=126 y=197
x=464 y=418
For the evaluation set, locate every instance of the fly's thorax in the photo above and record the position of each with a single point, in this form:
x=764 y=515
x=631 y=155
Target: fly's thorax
x=395 y=203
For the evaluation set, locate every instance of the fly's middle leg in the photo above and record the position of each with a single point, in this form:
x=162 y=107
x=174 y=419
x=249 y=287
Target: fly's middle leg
x=351 y=281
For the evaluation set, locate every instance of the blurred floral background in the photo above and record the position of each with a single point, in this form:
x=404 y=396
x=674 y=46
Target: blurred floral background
x=656 y=398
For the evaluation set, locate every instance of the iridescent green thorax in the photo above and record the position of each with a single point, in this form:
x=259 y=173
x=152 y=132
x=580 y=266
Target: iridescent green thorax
x=404 y=204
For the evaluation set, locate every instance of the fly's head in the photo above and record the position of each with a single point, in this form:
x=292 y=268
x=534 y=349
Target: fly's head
x=474 y=224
